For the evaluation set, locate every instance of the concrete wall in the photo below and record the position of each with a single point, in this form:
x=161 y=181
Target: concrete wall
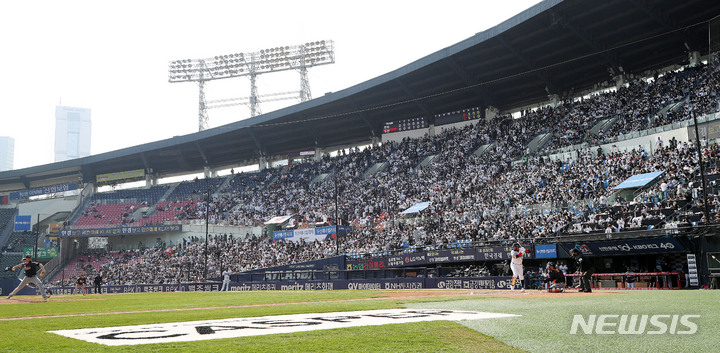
x=48 y=207
x=647 y=142
x=460 y=125
x=132 y=241
x=398 y=136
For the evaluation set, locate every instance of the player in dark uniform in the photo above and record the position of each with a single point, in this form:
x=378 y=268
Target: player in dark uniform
x=31 y=276
x=585 y=270
x=81 y=284
x=555 y=278
x=97 y=282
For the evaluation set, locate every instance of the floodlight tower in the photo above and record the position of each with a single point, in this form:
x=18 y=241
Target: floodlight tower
x=202 y=110
x=283 y=58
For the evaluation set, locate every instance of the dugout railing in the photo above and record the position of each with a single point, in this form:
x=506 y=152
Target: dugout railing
x=634 y=280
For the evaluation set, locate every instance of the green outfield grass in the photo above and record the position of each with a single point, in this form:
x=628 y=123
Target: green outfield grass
x=543 y=327
x=546 y=323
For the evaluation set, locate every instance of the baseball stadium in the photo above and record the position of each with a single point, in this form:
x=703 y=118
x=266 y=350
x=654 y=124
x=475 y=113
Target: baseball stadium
x=548 y=184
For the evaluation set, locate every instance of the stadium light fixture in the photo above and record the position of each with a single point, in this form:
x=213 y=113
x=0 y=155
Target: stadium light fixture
x=275 y=59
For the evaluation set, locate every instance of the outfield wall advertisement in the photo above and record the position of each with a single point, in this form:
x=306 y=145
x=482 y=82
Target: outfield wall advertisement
x=302 y=285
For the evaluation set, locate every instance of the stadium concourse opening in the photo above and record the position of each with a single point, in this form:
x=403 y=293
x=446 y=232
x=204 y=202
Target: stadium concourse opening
x=470 y=132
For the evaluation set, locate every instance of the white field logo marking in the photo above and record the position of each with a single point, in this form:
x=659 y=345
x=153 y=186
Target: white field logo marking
x=255 y=326
x=634 y=324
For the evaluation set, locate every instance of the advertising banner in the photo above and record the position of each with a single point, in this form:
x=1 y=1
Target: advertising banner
x=628 y=247
x=128 y=174
x=709 y=131
x=469 y=283
x=329 y=264
x=99 y=232
x=309 y=234
x=42 y=253
x=494 y=282
x=367 y=264
x=24 y=194
x=451 y=255
x=547 y=251
x=405 y=260
x=490 y=253
x=54 y=228
x=22 y=223
x=422 y=258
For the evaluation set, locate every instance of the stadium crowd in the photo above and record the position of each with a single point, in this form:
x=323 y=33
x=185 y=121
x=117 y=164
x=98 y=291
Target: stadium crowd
x=473 y=197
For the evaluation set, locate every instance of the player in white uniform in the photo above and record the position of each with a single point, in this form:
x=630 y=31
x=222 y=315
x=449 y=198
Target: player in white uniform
x=516 y=265
x=226 y=281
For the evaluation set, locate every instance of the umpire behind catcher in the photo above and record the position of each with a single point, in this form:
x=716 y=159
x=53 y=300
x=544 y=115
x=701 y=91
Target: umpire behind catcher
x=31 y=269
x=585 y=270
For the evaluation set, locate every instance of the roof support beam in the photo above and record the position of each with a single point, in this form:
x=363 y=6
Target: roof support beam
x=665 y=21
x=550 y=86
x=25 y=181
x=481 y=91
x=260 y=148
x=308 y=127
x=202 y=153
x=414 y=97
x=88 y=174
x=362 y=115
x=655 y=15
x=586 y=38
x=181 y=160
x=144 y=160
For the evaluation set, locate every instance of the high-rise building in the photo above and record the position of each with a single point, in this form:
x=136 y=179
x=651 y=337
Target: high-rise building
x=7 y=153
x=72 y=133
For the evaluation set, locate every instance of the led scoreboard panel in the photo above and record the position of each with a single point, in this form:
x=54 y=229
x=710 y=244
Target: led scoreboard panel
x=458 y=116
x=405 y=125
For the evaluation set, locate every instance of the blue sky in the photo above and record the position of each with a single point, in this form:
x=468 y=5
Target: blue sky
x=112 y=57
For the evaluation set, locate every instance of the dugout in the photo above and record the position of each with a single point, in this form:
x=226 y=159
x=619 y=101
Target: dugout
x=656 y=262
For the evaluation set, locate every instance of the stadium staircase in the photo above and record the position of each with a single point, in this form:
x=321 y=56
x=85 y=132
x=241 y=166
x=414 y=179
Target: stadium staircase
x=376 y=168
x=320 y=178
x=602 y=126
x=480 y=150
x=224 y=185
x=152 y=210
x=539 y=141
x=168 y=192
x=672 y=107
x=426 y=162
